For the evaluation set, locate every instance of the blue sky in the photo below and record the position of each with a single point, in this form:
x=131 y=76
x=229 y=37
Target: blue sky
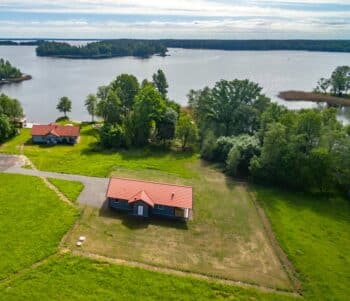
x=226 y=19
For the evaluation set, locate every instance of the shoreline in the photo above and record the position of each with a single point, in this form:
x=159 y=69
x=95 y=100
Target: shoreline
x=292 y=95
x=16 y=80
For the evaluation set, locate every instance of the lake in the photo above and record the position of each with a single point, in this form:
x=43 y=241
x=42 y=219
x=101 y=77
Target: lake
x=185 y=70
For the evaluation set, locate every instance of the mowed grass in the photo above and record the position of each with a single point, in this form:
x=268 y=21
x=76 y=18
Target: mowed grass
x=315 y=233
x=87 y=158
x=71 y=189
x=66 y=277
x=226 y=238
x=32 y=222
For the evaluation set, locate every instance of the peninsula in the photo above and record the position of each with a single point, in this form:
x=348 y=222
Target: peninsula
x=10 y=74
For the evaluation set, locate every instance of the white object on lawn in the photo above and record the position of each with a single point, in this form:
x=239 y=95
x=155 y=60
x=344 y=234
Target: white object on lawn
x=82 y=238
x=79 y=243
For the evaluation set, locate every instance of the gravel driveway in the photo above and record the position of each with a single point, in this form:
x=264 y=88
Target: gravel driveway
x=93 y=194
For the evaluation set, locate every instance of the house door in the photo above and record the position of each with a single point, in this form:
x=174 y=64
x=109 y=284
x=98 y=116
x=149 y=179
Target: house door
x=140 y=210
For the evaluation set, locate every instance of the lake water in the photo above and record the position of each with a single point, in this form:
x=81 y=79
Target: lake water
x=185 y=69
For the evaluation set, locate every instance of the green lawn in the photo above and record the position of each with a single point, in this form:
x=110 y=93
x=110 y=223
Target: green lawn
x=71 y=189
x=32 y=222
x=88 y=159
x=315 y=232
x=226 y=238
x=74 y=278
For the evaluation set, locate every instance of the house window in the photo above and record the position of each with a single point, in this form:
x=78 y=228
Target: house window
x=116 y=201
x=160 y=207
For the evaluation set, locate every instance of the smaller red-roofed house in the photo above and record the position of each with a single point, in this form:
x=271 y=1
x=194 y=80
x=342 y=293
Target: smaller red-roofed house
x=55 y=134
x=144 y=198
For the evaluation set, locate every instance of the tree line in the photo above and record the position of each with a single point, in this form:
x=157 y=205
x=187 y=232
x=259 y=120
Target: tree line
x=253 y=137
x=103 y=49
x=7 y=71
x=306 y=45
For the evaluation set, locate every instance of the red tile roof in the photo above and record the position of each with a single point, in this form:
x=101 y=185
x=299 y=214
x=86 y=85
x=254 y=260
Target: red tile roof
x=55 y=130
x=152 y=193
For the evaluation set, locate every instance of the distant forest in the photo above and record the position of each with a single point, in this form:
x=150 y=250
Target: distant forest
x=308 y=45
x=147 y=48
x=103 y=49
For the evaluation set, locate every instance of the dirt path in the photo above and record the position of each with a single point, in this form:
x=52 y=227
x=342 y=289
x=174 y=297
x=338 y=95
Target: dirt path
x=178 y=273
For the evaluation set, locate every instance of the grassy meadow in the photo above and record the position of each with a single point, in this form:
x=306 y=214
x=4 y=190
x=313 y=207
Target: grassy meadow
x=225 y=239
x=32 y=222
x=68 y=277
x=71 y=189
x=87 y=158
x=314 y=232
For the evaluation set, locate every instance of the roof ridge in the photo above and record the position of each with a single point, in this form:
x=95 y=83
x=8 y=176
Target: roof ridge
x=154 y=182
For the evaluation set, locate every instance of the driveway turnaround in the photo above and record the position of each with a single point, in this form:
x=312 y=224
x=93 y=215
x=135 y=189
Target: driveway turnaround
x=93 y=194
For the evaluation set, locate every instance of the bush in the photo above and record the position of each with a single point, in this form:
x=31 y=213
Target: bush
x=6 y=129
x=112 y=136
x=62 y=119
x=208 y=147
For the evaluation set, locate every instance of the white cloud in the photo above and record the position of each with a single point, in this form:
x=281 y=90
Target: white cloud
x=252 y=28
x=169 y=7
x=207 y=18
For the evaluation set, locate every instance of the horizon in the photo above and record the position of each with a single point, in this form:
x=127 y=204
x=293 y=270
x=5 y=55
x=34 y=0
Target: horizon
x=156 y=19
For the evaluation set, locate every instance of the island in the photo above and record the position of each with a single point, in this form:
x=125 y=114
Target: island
x=147 y=48
x=103 y=49
x=10 y=74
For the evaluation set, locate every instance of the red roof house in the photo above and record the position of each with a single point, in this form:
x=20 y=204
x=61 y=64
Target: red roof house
x=144 y=198
x=54 y=133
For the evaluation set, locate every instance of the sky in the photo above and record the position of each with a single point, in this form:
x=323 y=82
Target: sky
x=212 y=19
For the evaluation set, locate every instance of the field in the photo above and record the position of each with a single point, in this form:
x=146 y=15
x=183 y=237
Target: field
x=32 y=222
x=71 y=189
x=315 y=234
x=76 y=278
x=226 y=239
x=32 y=227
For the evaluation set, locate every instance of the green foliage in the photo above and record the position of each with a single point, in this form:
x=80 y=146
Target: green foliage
x=126 y=86
x=91 y=105
x=166 y=125
x=112 y=136
x=208 y=147
x=10 y=107
x=160 y=82
x=148 y=111
x=230 y=108
x=110 y=108
x=338 y=84
x=64 y=105
x=340 y=80
x=243 y=149
x=7 y=71
x=103 y=49
x=186 y=130
x=33 y=219
x=6 y=129
x=301 y=146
